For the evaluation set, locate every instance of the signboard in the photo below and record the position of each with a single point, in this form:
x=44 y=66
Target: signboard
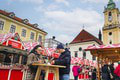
x=14 y=44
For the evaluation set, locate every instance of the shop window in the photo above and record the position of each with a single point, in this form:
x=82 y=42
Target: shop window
x=16 y=58
x=76 y=53
x=23 y=33
x=1 y=25
x=32 y=36
x=12 y=29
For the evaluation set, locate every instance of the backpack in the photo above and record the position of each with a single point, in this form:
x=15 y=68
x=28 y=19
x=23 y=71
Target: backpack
x=79 y=70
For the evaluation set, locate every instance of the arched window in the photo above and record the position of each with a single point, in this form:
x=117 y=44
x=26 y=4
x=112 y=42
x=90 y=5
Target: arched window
x=84 y=54
x=110 y=33
x=76 y=53
x=110 y=14
x=110 y=42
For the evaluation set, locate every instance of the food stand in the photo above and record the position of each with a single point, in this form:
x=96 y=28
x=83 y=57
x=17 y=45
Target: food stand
x=102 y=52
x=11 y=44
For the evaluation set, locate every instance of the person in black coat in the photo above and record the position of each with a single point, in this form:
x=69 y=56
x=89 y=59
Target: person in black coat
x=105 y=72
x=111 y=66
x=94 y=76
x=63 y=60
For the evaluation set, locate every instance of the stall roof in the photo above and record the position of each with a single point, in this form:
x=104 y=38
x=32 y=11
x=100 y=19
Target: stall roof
x=12 y=39
x=111 y=52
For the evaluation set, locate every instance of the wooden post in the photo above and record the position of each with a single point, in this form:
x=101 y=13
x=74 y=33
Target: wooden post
x=20 y=59
x=98 y=67
x=37 y=76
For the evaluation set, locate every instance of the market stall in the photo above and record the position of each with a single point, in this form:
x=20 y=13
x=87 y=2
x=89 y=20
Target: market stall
x=12 y=57
x=103 y=52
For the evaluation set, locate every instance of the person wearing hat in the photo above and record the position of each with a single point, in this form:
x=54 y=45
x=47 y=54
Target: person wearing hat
x=117 y=71
x=63 y=60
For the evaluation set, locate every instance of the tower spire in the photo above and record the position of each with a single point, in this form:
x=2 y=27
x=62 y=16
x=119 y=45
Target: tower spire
x=111 y=5
x=110 y=1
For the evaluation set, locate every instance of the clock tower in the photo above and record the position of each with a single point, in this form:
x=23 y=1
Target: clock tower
x=111 y=29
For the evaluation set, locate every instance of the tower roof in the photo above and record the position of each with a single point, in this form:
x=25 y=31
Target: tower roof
x=111 y=5
x=84 y=36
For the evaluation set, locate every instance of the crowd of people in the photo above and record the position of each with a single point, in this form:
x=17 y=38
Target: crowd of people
x=108 y=72
x=84 y=70
x=63 y=60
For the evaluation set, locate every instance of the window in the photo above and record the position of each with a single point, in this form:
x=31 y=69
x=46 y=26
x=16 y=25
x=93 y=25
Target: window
x=76 y=54
x=32 y=36
x=16 y=58
x=1 y=25
x=23 y=33
x=80 y=49
x=110 y=42
x=12 y=29
x=110 y=16
x=40 y=38
x=110 y=33
x=84 y=55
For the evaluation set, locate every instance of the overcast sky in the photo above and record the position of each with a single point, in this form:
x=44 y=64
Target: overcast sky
x=61 y=18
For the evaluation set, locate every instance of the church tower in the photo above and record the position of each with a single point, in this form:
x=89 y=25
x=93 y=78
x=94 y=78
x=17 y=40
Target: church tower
x=111 y=29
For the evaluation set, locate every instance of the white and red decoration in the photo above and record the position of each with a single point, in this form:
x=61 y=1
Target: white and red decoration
x=103 y=46
x=11 y=39
x=83 y=61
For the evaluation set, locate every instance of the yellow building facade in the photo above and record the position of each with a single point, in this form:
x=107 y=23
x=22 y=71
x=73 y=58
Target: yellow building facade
x=27 y=31
x=111 y=29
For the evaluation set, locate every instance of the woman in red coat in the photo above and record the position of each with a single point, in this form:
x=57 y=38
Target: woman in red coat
x=75 y=71
x=117 y=71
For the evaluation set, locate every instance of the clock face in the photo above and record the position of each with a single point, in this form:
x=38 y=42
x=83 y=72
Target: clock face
x=110 y=18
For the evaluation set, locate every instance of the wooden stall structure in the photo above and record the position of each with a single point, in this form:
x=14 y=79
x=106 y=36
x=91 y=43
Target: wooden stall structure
x=12 y=57
x=54 y=69
x=102 y=52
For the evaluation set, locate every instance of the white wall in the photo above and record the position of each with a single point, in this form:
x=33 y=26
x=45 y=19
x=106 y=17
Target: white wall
x=75 y=47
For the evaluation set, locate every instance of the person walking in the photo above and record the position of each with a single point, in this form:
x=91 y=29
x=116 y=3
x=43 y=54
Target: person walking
x=63 y=60
x=76 y=70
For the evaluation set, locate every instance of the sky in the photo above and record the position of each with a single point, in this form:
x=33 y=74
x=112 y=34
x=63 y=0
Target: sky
x=63 y=19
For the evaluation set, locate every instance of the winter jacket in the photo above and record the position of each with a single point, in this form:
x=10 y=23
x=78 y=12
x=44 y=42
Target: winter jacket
x=64 y=60
x=105 y=73
x=33 y=57
x=75 y=70
x=117 y=70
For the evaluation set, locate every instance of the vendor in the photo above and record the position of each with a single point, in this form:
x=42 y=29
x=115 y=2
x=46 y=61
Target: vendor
x=7 y=59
